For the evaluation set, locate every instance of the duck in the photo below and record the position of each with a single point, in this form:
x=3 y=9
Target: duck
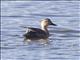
x=37 y=33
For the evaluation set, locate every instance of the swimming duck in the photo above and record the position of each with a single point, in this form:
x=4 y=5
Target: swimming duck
x=36 y=33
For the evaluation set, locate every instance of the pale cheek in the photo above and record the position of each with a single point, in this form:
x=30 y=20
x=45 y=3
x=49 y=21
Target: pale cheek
x=44 y=23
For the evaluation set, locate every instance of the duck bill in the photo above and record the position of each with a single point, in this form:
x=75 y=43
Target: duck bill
x=53 y=24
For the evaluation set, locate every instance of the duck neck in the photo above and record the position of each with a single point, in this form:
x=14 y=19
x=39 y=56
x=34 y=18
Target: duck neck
x=44 y=28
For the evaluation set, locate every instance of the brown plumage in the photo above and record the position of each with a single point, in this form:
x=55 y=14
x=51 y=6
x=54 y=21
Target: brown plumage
x=36 y=33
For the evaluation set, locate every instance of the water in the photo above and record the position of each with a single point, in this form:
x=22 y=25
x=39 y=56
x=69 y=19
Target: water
x=64 y=39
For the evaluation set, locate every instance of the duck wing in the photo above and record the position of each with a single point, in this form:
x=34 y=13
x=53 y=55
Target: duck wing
x=36 y=30
x=35 y=33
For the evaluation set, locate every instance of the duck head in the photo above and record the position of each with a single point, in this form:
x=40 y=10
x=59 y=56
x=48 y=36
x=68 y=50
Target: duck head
x=46 y=22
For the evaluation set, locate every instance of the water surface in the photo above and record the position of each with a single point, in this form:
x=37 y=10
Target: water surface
x=64 y=39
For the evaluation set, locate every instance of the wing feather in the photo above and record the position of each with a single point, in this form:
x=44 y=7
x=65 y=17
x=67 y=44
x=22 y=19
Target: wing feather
x=35 y=33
